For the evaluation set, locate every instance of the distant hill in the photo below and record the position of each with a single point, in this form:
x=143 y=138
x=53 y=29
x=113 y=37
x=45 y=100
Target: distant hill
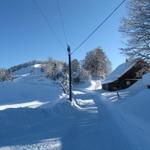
x=25 y=65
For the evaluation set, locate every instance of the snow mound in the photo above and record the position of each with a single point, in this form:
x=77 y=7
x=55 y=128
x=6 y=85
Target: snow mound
x=138 y=104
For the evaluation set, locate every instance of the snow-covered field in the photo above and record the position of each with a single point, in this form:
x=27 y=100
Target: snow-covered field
x=35 y=115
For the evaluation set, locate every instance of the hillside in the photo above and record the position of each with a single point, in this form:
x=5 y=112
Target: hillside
x=35 y=114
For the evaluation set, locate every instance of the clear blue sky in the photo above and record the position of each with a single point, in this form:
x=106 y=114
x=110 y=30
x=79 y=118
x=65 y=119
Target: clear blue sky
x=24 y=35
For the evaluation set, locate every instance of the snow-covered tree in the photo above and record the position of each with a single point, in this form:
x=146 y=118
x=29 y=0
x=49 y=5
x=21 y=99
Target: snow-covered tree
x=136 y=27
x=97 y=63
x=84 y=75
x=4 y=75
x=53 y=69
x=75 y=70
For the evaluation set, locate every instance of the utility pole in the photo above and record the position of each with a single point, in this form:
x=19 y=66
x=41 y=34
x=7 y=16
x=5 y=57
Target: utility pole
x=70 y=77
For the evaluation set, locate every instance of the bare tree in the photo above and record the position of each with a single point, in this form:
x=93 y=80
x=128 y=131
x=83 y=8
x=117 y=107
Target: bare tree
x=136 y=27
x=97 y=63
x=53 y=69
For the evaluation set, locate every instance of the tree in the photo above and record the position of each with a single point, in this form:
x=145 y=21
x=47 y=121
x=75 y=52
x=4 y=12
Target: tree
x=136 y=27
x=4 y=75
x=75 y=65
x=53 y=69
x=84 y=75
x=97 y=63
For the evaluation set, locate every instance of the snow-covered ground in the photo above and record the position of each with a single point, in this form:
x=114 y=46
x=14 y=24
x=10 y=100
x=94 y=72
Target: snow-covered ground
x=35 y=115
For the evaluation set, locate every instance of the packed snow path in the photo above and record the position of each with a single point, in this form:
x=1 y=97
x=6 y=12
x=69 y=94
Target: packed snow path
x=107 y=131
x=92 y=123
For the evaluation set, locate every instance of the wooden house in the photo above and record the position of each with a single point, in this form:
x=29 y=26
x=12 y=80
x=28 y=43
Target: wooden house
x=125 y=75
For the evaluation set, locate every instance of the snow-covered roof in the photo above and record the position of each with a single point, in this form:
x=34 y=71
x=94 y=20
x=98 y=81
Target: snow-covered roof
x=118 y=72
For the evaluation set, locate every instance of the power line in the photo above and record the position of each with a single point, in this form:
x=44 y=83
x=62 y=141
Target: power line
x=47 y=22
x=98 y=26
x=62 y=21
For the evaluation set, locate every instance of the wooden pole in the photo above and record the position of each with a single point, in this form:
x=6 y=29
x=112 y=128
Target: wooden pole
x=70 y=75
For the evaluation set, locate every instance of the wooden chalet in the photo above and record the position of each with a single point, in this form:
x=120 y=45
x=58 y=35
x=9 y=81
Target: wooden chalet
x=125 y=75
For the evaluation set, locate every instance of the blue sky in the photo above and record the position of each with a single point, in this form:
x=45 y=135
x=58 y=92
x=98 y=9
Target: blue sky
x=24 y=35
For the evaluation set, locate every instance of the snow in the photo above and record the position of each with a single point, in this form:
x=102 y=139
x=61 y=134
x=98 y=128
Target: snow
x=36 y=115
x=95 y=85
x=51 y=144
x=146 y=79
x=118 y=72
x=78 y=92
x=26 y=71
x=37 y=65
x=88 y=105
x=33 y=104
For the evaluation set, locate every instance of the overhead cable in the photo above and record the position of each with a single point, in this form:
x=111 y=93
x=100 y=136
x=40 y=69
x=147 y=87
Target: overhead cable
x=47 y=22
x=98 y=26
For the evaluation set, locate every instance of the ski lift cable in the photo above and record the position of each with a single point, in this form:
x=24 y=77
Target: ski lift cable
x=47 y=22
x=98 y=26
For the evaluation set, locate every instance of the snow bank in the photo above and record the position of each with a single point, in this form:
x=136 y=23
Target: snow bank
x=140 y=85
x=138 y=105
x=135 y=110
x=146 y=79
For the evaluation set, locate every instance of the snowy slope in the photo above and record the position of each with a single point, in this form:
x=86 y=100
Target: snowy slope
x=85 y=125
x=34 y=69
x=135 y=111
x=31 y=74
x=35 y=115
x=29 y=87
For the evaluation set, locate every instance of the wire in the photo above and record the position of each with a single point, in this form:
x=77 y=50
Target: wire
x=47 y=22
x=62 y=21
x=98 y=26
